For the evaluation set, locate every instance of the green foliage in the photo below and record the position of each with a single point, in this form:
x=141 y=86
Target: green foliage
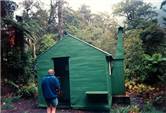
x=136 y=12
x=144 y=39
x=10 y=99
x=133 y=56
x=159 y=101
x=17 y=63
x=34 y=28
x=154 y=67
x=11 y=83
x=23 y=90
x=120 y=110
x=29 y=90
x=20 y=68
x=134 y=109
x=29 y=71
x=148 y=108
x=7 y=107
x=7 y=102
x=14 y=65
x=46 y=42
x=154 y=40
x=127 y=109
x=145 y=52
x=86 y=26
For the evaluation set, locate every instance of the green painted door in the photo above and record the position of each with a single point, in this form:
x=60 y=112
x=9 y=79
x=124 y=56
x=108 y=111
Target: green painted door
x=61 y=67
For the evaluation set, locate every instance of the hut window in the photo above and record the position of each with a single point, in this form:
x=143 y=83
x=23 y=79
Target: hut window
x=109 y=67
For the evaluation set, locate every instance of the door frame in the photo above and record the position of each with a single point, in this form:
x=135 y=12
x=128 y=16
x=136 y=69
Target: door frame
x=66 y=57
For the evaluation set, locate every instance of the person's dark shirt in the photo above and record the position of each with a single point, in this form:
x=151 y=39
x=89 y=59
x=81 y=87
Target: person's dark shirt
x=49 y=85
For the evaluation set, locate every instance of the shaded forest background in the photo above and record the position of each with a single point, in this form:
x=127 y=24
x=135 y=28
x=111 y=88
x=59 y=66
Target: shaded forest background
x=38 y=29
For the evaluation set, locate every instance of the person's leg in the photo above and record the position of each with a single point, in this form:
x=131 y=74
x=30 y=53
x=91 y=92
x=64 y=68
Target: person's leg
x=48 y=105
x=49 y=109
x=53 y=110
x=54 y=103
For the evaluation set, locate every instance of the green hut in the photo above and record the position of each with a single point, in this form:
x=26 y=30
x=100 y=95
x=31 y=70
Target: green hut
x=88 y=75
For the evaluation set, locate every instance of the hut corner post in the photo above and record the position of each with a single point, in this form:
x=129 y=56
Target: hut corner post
x=117 y=80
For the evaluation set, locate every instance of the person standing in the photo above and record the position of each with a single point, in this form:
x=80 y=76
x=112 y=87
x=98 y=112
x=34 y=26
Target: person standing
x=51 y=89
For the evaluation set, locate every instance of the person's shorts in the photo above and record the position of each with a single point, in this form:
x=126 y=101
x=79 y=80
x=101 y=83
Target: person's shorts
x=52 y=102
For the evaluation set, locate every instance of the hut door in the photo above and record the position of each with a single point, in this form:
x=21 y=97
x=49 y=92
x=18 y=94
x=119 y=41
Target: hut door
x=61 y=66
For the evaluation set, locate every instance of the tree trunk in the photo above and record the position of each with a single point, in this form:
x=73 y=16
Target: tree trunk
x=60 y=19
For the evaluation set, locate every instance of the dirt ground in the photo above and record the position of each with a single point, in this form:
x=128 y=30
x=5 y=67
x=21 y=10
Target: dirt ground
x=30 y=106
